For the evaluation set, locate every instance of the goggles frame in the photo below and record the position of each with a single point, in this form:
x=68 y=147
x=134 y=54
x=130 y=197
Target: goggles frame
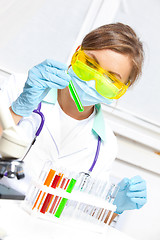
x=88 y=64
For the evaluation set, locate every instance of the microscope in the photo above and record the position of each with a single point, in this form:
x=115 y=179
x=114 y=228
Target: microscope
x=13 y=145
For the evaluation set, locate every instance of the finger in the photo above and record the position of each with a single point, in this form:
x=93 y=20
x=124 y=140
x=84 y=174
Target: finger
x=137 y=194
x=140 y=201
x=57 y=72
x=138 y=187
x=53 y=81
x=55 y=64
x=49 y=80
x=136 y=179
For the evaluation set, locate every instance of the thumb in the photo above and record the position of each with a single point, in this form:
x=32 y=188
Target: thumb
x=124 y=183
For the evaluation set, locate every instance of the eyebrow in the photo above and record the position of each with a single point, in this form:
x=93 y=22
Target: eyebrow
x=115 y=74
x=94 y=57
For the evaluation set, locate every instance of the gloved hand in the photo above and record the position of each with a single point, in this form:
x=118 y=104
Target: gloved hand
x=41 y=78
x=131 y=195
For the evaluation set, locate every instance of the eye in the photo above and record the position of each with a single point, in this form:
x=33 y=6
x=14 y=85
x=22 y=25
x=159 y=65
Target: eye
x=91 y=64
x=105 y=75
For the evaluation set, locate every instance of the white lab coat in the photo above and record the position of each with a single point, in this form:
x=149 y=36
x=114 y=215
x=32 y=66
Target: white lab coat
x=76 y=154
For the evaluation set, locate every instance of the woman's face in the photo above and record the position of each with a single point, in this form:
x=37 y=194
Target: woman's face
x=118 y=64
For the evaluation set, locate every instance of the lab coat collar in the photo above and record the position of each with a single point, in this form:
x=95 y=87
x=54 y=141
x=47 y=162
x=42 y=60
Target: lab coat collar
x=98 y=124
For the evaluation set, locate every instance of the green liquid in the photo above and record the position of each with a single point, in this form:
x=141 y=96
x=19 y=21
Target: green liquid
x=75 y=97
x=64 y=200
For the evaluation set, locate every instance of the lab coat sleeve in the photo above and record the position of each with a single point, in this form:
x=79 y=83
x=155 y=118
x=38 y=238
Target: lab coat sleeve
x=13 y=87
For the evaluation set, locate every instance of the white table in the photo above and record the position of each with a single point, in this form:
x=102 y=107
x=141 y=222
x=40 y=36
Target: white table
x=19 y=225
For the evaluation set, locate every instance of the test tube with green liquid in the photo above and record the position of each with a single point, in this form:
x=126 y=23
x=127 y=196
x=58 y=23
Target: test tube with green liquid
x=64 y=200
x=75 y=96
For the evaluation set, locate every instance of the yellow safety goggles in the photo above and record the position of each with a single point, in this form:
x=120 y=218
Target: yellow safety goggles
x=88 y=69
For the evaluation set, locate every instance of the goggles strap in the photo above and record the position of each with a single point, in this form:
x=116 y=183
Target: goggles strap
x=78 y=48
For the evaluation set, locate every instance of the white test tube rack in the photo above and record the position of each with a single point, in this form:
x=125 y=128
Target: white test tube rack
x=88 y=223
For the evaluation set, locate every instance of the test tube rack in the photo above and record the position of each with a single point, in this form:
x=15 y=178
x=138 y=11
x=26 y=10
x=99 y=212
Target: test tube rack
x=69 y=198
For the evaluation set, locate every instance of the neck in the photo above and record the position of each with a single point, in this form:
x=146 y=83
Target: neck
x=69 y=107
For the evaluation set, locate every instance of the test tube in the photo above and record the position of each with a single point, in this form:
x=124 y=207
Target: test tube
x=85 y=183
x=49 y=196
x=33 y=191
x=64 y=184
x=70 y=208
x=46 y=183
x=110 y=197
x=96 y=189
x=75 y=96
x=57 y=199
x=64 y=200
x=112 y=192
x=105 y=216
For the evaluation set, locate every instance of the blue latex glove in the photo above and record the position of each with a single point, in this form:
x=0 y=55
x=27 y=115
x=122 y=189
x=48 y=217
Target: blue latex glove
x=41 y=78
x=131 y=195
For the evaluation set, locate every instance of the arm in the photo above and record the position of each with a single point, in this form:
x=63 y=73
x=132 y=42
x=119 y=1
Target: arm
x=41 y=79
x=16 y=117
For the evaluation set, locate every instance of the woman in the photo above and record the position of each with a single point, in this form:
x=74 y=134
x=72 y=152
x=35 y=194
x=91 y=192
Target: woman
x=111 y=53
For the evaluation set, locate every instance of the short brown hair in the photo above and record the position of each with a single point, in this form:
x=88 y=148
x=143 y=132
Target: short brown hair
x=120 y=38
